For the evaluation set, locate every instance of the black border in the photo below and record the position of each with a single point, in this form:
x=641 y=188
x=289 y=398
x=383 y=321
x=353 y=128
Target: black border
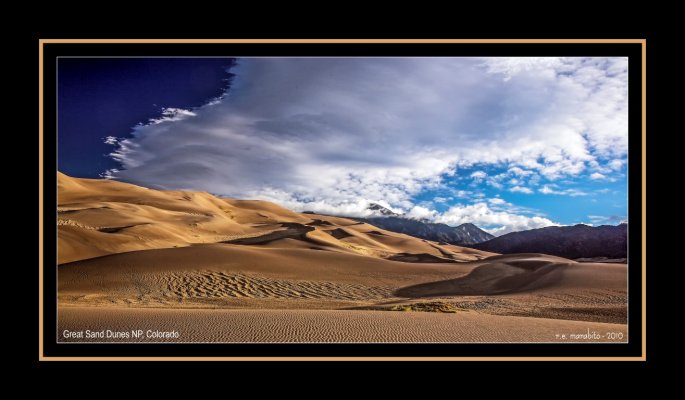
x=632 y=349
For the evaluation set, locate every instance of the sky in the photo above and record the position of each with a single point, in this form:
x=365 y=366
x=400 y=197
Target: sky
x=505 y=143
x=101 y=97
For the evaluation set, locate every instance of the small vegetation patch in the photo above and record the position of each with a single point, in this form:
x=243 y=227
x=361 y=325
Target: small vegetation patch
x=426 y=307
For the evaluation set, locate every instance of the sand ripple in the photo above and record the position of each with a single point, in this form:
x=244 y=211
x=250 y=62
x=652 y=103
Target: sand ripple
x=211 y=284
x=329 y=326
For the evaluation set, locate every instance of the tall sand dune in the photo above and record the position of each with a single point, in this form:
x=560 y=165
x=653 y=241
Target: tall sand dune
x=100 y=217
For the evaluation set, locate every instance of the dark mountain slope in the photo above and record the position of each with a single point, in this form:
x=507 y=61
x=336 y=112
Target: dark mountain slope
x=578 y=241
x=464 y=234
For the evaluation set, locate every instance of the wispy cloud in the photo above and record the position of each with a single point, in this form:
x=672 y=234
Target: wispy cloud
x=463 y=194
x=175 y=114
x=497 y=201
x=521 y=189
x=551 y=189
x=109 y=174
x=607 y=219
x=519 y=171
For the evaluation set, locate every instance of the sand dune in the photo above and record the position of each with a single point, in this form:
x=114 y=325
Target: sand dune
x=216 y=274
x=243 y=276
x=143 y=277
x=100 y=217
x=524 y=272
x=193 y=261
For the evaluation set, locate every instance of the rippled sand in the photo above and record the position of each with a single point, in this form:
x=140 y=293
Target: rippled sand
x=195 y=325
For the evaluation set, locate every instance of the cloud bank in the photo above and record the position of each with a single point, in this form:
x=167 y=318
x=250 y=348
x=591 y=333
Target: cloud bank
x=505 y=219
x=330 y=135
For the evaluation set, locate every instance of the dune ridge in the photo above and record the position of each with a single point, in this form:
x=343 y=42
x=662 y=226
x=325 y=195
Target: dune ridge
x=100 y=217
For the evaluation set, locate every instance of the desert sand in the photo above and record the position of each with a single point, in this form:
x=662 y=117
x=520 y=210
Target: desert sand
x=228 y=270
x=319 y=326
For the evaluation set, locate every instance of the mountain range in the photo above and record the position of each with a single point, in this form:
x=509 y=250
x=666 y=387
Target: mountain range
x=577 y=241
x=464 y=234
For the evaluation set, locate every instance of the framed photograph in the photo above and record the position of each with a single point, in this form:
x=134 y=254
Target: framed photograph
x=330 y=199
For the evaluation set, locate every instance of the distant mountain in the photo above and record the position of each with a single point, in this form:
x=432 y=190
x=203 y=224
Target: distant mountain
x=473 y=233
x=578 y=241
x=464 y=234
x=379 y=209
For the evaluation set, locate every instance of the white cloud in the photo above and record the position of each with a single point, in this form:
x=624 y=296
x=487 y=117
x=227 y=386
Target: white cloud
x=596 y=218
x=520 y=189
x=534 y=180
x=607 y=219
x=418 y=212
x=497 y=201
x=332 y=134
x=496 y=180
x=479 y=175
x=109 y=174
x=462 y=194
x=549 y=189
x=511 y=66
x=574 y=192
x=616 y=164
x=439 y=199
x=497 y=222
x=111 y=140
x=519 y=172
x=597 y=176
x=175 y=114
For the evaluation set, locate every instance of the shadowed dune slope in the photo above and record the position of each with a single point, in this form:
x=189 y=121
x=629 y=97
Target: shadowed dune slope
x=524 y=272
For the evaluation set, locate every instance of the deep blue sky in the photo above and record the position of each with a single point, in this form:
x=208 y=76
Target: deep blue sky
x=505 y=143
x=100 y=97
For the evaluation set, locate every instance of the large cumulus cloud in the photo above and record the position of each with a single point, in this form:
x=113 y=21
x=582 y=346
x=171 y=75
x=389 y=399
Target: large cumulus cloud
x=330 y=134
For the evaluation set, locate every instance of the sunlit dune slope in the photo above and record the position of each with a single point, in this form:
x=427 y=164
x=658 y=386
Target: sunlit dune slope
x=101 y=217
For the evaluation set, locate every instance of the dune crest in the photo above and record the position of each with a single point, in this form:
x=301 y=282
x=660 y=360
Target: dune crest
x=99 y=217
